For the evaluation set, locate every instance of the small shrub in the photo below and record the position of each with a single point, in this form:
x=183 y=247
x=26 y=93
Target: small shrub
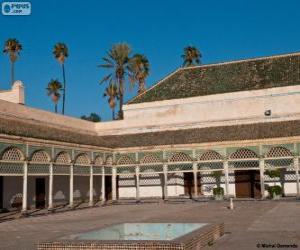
x=218 y=191
x=275 y=191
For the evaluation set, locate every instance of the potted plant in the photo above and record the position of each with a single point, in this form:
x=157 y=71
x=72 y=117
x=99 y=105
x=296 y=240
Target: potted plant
x=218 y=191
x=275 y=192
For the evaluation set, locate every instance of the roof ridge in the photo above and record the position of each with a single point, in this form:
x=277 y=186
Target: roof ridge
x=243 y=60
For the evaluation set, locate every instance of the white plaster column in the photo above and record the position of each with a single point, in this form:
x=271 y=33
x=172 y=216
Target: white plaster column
x=25 y=184
x=114 y=183
x=296 y=167
x=71 y=198
x=91 y=202
x=137 y=176
x=165 y=169
x=195 y=173
x=103 y=186
x=226 y=172
x=50 y=205
x=262 y=177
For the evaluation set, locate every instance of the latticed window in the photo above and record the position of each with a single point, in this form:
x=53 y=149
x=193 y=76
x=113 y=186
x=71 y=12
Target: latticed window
x=82 y=159
x=98 y=161
x=279 y=152
x=40 y=156
x=63 y=158
x=12 y=154
x=243 y=153
x=125 y=160
x=210 y=155
x=109 y=160
x=150 y=159
x=180 y=157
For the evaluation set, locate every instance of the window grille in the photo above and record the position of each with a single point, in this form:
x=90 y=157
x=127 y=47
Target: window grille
x=125 y=160
x=40 y=156
x=149 y=159
x=243 y=153
x=63 y=158
x=12 y=154
x=180 y=157
x=83 y=160
x=279 y=152
x=98 y=161
x=109 y=160
x=210 y=155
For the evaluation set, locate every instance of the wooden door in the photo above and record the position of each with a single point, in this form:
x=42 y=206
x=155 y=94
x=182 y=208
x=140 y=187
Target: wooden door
x=247 y=184
x=188 y=184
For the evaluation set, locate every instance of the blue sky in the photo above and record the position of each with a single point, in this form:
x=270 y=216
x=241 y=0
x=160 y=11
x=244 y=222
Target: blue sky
x=160 y=29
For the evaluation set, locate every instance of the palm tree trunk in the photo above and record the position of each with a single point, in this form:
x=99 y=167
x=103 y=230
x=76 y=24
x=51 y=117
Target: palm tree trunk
x=12 y=73
x=64 y=89
x=121 y=98
x=55 y=107
x=141 y=87
x=113 y=113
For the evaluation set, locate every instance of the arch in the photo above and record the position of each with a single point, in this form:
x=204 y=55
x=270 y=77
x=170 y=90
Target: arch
x=40 y=156
x=125 y=160
x=243 y=153
x=12 y=154
x=180 y=157
x=98 y=161
x=210 y=155
x=63 y=158
x=82 y=159
x=109 y=160
x=279 y=151
x=151 y=158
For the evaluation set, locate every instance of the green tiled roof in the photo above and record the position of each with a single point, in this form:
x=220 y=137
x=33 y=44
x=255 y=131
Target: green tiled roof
x=252 y=74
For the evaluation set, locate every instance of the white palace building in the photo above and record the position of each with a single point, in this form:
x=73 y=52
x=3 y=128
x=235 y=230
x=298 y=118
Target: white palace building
x=240 y=118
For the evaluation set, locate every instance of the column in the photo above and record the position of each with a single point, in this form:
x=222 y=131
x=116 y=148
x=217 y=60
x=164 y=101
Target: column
x=195 y=168
x=137 y=176
x=296 y=167
x=71 y=199
x=50 y=205
x=114 y=183
x=262 y=177
x=25 y=178
x=103 y=186
x=226 y=171
x=91 y=202
x=165 y=169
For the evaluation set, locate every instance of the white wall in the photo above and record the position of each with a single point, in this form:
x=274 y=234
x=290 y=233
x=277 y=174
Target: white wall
x=15 y=95
x=207 y=111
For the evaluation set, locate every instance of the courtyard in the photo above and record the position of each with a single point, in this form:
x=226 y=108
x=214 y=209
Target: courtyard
x=249 y=224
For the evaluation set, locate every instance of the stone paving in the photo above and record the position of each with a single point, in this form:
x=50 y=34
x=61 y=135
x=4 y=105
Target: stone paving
x=249 y=224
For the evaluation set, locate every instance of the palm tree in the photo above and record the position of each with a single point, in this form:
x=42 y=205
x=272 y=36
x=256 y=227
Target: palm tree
x=53 y=89
x=117 y=60
x=61 y=52
x=139 y=69
x=112 y=93
x=12 y=47
x=191 y=56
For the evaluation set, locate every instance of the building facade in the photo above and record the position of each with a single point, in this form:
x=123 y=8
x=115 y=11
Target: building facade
x=240 y=119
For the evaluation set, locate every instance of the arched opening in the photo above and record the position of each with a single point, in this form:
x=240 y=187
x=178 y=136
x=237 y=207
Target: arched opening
x=245 y=164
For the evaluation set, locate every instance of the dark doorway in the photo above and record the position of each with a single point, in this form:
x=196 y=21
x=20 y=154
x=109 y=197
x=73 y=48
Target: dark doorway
x=189 y=188
x=1 y=192
x=40 y=193
x=247 y=184
x=108 y=187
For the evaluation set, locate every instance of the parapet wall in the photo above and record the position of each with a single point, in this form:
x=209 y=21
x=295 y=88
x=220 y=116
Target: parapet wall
x=15 y=95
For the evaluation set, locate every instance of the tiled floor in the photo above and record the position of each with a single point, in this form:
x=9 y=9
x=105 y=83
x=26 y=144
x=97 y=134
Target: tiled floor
x=249 y=224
